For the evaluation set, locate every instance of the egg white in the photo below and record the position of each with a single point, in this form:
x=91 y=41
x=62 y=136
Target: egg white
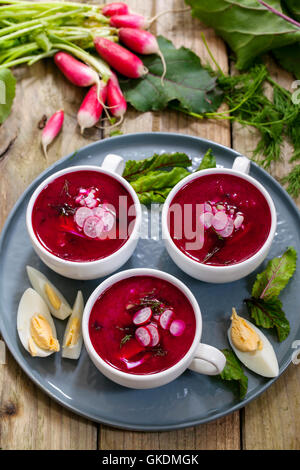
x=38 y=281
x=262 y=361
x=73 y=352
x=32 y=304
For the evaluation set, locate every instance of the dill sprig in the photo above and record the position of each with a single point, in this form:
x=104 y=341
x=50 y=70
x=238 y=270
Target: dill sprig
x=293 y=181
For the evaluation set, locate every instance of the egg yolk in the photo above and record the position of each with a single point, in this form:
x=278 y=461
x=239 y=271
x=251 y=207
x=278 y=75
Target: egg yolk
x=73 y=333
x=243 y=336
x=52 y=296
x=41 y=334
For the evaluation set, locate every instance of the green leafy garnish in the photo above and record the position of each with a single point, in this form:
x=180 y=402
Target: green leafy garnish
x=286 y=58
x=248 y=27
x=275 y=277
x=233 y=371
x=186 y=82
x=7 y=93
x=269 y=314
x=124 y=340
x=264 y=306
x=153 y=178
x=208 y=161
x=137 y=168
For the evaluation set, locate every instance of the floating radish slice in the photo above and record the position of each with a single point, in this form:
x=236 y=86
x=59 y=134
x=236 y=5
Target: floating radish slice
x=238 y=221
x=207 y=207
x=206 y=219
x=227 y=231
x=106 y=217
x=142 y=316
x=219 y=220
x=90 y=226
x=177 y=327
x=154 y=333
x=165 y=319
x=82 y=214
x=143 y=335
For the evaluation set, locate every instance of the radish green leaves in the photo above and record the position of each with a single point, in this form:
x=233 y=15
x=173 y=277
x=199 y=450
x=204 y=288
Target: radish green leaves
x=264 y=306
x=186 y=83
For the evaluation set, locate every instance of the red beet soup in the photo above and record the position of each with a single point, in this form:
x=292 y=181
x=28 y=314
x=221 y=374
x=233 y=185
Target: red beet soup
x=227 y=215
x=142 y=325
x=83 y=216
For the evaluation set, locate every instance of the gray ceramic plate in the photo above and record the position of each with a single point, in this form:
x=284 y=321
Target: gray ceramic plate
x=191 y=399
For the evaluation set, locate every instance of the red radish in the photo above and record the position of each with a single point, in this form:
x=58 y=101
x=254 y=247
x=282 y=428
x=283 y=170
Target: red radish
x=177 y=327
x=207 y=207
x=115 y=98
x=154 y=333
x=120 y=58
x=138 y=21
x=142 y=42
x=165 y=319
x=116 y=8
x=206 y=219
x=142 y=316
x=81 y=214
x=219 y=220
x=75 y=71
x=227 y=231
x=91 y=108
x=143 y=335
x=129 y=21
x=52 y=129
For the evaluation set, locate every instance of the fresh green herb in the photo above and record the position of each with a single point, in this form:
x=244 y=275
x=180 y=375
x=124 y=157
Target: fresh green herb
x=153 y=178
x=7 y=92
x=248 y=27
x=208 y=161
x=124 y=340
x=264 y=306
x=186 y=82
x=293 y=181
x=233 y=371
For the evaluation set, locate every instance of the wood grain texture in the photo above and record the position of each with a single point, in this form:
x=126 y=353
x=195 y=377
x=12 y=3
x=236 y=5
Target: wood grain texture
x=29 y=419
x=272 y=421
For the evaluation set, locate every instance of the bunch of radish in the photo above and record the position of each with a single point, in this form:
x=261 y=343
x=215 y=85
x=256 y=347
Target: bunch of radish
x=107 y=95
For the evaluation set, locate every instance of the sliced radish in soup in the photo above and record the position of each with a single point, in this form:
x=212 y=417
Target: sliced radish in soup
x=206 y=219
x=165 y=319
x=144 y=336
x=142 y=316
x=154 y=333
x=89 y=227
x=228 y=230
x=219 y=220
x=177 y=327
x=82 y=214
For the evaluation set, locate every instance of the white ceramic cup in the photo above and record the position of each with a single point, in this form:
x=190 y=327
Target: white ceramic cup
x=200 y=358
x=219 y=274
x=113 y=165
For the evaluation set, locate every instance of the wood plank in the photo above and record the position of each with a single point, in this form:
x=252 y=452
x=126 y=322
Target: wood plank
x=273 y=420
x=181 y=29
x=29 y=419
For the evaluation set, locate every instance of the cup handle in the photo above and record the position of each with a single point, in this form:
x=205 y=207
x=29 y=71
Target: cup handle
x=113 y=163
x=208 y=360
x=241 y=164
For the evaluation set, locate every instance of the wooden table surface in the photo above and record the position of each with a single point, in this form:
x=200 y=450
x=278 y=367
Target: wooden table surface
x=29 y=419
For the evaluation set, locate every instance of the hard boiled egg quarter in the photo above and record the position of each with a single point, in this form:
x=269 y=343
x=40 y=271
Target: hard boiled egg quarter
x=35 y=325
x=252 y=347
x=72 y=342
x=58 y=305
